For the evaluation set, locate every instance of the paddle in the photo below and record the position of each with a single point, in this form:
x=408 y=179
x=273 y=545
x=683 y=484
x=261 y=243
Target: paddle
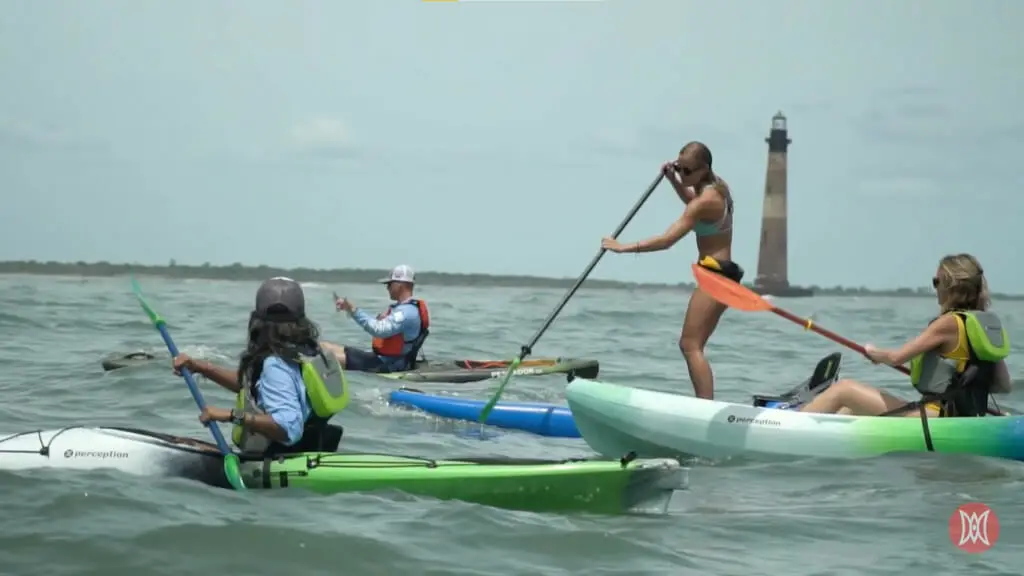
x=738 y=296
x=231 y=466
x=528 y=348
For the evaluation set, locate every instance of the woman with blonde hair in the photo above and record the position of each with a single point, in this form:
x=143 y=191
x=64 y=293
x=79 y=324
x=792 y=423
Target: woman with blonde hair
x=956 y=362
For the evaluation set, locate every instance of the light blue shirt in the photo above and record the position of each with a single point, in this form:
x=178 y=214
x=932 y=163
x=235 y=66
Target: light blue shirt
x=282 y=395
x=404 y=319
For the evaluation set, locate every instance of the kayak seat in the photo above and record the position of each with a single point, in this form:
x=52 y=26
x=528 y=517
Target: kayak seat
x=780 y=402
x=826 y=372
x=315 y=439
x=330 y=439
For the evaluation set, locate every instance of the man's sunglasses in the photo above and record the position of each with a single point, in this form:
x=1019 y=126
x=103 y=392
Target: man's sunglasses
x=684 y=170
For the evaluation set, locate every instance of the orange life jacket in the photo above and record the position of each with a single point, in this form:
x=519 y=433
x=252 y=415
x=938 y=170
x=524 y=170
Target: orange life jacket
x=392 y=345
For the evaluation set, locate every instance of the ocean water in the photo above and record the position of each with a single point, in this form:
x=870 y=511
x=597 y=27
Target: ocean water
x=886 y=515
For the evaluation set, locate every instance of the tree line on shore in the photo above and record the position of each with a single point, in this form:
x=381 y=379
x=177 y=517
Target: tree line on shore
x=238 y=271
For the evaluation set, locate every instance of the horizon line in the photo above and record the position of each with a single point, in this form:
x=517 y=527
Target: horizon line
x=243 y=272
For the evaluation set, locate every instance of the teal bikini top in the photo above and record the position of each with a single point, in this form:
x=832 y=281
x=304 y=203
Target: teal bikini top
x=723 y=225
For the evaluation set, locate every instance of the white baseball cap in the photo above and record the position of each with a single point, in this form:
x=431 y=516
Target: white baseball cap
x=400 y=273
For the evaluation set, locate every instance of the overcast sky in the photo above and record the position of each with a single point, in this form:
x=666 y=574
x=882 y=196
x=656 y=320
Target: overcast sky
x=508 y=137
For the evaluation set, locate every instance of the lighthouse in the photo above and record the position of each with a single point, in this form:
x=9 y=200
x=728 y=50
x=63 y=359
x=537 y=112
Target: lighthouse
x=772 y=261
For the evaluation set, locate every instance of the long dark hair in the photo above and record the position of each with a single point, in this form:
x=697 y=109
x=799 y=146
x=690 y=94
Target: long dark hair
x=286 y=340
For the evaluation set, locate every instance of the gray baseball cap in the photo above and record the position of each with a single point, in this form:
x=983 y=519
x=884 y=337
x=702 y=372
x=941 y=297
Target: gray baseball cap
x=280 y=298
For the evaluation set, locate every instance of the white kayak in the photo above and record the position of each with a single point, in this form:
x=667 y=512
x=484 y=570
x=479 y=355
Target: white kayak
x=613 y=419
x=123 y=449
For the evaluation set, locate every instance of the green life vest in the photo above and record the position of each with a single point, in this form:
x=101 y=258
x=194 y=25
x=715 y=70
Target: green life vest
x=326 y=387
x=987 y=342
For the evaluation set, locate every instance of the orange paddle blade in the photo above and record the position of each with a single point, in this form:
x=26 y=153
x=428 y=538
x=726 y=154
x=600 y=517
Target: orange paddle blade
x=738 y=296
x=732 y=294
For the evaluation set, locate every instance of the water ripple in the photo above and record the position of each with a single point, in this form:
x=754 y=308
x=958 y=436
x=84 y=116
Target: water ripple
x=740 y=516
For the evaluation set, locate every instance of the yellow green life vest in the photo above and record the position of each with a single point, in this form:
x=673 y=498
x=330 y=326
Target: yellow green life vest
x=984 y=339
x=326 y=387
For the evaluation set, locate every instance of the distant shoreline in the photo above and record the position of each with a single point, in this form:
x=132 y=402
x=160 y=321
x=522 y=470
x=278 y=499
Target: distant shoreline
x=239 y=272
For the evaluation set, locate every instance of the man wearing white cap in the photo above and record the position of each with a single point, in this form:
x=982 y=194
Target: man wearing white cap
x=398 y=332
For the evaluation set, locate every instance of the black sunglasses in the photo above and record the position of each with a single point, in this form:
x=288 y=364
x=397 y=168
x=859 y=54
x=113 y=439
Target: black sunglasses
x=684 y=170
x=935 y=282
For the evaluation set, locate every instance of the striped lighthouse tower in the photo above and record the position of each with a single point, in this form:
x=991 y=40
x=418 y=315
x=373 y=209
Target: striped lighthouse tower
x=772 y=262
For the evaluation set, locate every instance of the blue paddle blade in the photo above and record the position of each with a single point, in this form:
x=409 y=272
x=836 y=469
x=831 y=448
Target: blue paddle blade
x=232 y=466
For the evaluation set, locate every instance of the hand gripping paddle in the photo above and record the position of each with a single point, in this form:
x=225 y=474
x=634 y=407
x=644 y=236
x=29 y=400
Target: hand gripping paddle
x=231 y=464
x=738 y=296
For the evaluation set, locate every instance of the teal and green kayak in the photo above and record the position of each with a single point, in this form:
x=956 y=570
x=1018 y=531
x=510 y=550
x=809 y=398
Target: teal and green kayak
x=601 y=486
x=614 y=418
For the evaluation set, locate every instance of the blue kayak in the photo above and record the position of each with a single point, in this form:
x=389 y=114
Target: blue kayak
x=542 y=419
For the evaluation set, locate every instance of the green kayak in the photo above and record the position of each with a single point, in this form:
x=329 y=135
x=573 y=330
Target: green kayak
x=602 y=486
x=606 y=486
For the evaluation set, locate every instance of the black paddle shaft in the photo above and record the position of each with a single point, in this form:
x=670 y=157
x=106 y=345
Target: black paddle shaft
x=528 y=349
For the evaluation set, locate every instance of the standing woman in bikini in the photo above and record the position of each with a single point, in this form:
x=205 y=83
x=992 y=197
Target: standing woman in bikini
x=708 y=215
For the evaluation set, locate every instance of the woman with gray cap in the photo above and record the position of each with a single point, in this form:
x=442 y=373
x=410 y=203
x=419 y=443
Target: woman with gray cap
x=287 y=387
